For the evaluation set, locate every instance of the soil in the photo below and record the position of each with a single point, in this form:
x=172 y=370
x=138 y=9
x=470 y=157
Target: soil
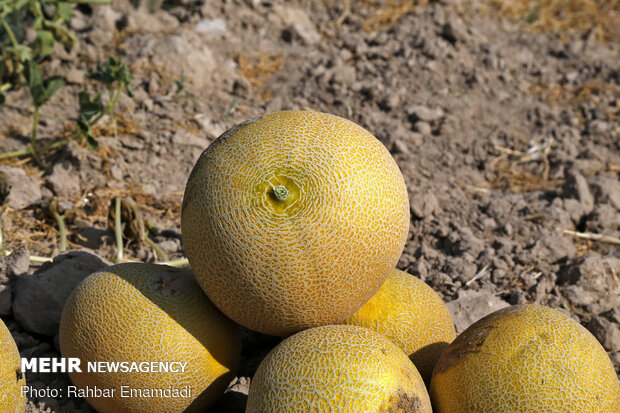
x=508 y=139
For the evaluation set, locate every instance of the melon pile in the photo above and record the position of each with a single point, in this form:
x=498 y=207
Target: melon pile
x=293 y=224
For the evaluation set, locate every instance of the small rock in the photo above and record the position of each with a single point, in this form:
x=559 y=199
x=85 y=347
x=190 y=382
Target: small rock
x=418 y=112
x=15 y=264
x=169 y=245
x=242 y=87
x=575 y=210
x=423 y=204
x=423 y=128
x=25 y=190
x=63 y=181
x=603 y=219
x=606 y=189
x=454 y=30
x=75 y=76
x=471 y=306
x=213 y=27
x=158 y=22
x=78 y=21
x=104 y=24
x=184 y=137
x=211 y=127
x=577 y=186
x=299 y=23
x=598 y=127
x=39 y=298
x=400 y=147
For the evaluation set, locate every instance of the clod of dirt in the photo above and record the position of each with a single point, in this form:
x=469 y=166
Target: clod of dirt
x=471 y=306
x=15 y=264
x=25 y=190
x=606 y=189
x=606 y=332
x=64 y=180
x=40 y=297
x=589 y=282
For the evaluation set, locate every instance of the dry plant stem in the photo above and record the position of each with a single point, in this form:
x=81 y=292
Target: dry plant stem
x=181 y=262
x=3 y=252
x=160 y=253
x=26 y=152
x=63 y=231
x=118 y=230
x=40 y=260
x=593 y=237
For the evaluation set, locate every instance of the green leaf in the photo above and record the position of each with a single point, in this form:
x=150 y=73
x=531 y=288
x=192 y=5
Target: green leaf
x=92 y=142
x=34 y=77
x=41 y=89
x=89 y=108
x=64 y=10
x=2 y=99
x=87 y=133
x=20 y=53
x=44 y=44
x=51 y=85
x=125 y=78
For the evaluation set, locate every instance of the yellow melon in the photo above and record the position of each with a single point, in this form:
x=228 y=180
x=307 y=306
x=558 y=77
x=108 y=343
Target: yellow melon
x=148 y=313
x=294 y=220
x=337 y=368
x=411 y=314
x=11 y=377
x=525 y=358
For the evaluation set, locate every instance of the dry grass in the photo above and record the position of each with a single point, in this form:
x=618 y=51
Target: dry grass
x=385 y=14
x=511 y=177
x=564 y=16
x=258 y=67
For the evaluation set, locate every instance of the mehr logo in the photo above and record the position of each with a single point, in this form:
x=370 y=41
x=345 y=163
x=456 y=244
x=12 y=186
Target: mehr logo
x=72 y=364
x=51 y=365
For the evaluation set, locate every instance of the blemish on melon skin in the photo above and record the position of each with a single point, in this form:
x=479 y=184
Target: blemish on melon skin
x=471 y=340
x=467 y=343
x=404 y=403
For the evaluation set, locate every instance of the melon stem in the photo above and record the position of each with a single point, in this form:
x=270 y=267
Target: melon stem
x=280 y=192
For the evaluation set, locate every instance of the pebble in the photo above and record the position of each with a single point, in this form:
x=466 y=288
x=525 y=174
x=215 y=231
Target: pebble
x=424 y=113
x=213 y=27
x=422 y=128
x=75 y=76
x=299 y=23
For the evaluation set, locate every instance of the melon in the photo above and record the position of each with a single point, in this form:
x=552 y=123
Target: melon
x=411 y=314
x=525 y=358
x=11 y=377
x=294 y=220
x=143 y=313
x=337 y=368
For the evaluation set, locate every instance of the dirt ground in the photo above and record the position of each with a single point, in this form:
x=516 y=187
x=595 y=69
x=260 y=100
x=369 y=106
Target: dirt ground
x=504 y=119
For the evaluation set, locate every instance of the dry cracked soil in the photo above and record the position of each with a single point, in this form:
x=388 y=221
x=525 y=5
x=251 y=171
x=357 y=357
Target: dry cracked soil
x=507 y=133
